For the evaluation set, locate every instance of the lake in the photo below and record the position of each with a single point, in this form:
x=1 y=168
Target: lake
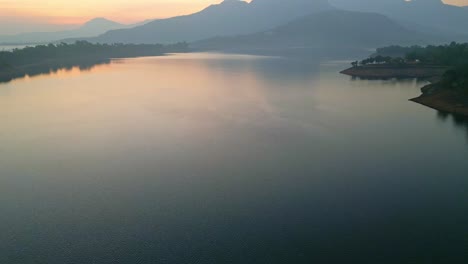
x=212 y=158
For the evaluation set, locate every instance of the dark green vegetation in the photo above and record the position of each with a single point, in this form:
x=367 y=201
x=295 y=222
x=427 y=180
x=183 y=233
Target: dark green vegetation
x=45 y=58
x=83 y=49
x=379 y=59
x=456 y=78
x=449 y=55
x=5 y=67
x=454 y=56
x=446 y=66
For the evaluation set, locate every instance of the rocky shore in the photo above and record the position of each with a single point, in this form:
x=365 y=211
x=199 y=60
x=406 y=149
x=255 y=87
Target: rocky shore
x=382 y=71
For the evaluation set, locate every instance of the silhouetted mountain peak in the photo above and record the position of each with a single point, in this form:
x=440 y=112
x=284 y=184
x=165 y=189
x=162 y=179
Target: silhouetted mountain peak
x=228 y=4
x=232 y=2
x=224 y=8
x=99 y=22
x=288 y=10
x=229 y=17
x=290 y=2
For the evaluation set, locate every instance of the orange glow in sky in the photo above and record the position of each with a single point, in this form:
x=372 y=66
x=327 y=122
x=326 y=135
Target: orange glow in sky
x=125 y=11
x=79 y=11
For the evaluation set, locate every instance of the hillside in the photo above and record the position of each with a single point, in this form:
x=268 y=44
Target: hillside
x=231 y=17
x=334 y=29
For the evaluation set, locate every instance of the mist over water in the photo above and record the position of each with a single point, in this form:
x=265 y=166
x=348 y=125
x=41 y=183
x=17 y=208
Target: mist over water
x=211 y=158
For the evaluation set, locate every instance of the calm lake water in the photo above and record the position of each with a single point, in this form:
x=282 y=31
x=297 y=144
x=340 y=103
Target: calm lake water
x=208 y=158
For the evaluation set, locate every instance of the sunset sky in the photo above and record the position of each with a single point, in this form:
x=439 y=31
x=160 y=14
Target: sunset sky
x=34 y=14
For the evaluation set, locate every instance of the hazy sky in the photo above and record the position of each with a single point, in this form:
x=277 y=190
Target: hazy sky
x=23 y=15
x=72 y=12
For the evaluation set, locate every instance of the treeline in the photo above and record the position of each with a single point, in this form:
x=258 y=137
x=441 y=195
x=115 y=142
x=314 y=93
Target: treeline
x=456 y=78
x=445 y=55
x=380 y=60
x=396 y=51
x=82 y=50
x=454 y=56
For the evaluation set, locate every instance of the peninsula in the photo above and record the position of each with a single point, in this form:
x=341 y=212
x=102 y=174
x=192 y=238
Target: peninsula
x=46 y=58
x=445 y=67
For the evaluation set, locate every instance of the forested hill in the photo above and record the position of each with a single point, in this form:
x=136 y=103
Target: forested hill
x=83 y=50
x=46 y=58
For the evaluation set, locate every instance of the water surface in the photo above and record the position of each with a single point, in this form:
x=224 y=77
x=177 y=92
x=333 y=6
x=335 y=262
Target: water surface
x=209 y=158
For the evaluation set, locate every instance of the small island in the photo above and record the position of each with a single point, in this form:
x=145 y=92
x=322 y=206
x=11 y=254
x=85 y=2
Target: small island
x=444 y=66
x=46 y=58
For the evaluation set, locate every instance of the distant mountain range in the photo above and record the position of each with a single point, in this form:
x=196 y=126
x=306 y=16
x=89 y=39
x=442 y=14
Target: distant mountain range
x=235 y=23
x=231 y=17
x=284 y=24
x=334 y=29
x=424 y=15
x=91 y=28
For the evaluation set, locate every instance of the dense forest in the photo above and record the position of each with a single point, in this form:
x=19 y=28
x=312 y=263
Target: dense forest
x=82 y=50
x=456 y=78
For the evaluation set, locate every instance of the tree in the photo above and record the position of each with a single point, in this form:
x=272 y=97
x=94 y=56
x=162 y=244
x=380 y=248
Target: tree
x=379 y=59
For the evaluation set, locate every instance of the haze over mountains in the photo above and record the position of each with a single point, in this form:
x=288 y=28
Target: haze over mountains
x=261 y=24
x=268 y=24
x=444 y=19
x=330 y=30
x=91 y=28
x=231 y=17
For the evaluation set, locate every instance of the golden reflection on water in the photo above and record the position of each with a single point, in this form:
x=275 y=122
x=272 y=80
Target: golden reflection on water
x=189 y=100
x=127 y=99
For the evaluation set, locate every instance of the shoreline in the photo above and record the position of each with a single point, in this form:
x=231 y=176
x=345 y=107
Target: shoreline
x=395 y=71
x=50 y=66
x=18 y=72
x=44 y=59
x=444 y=100
x=433 y=95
